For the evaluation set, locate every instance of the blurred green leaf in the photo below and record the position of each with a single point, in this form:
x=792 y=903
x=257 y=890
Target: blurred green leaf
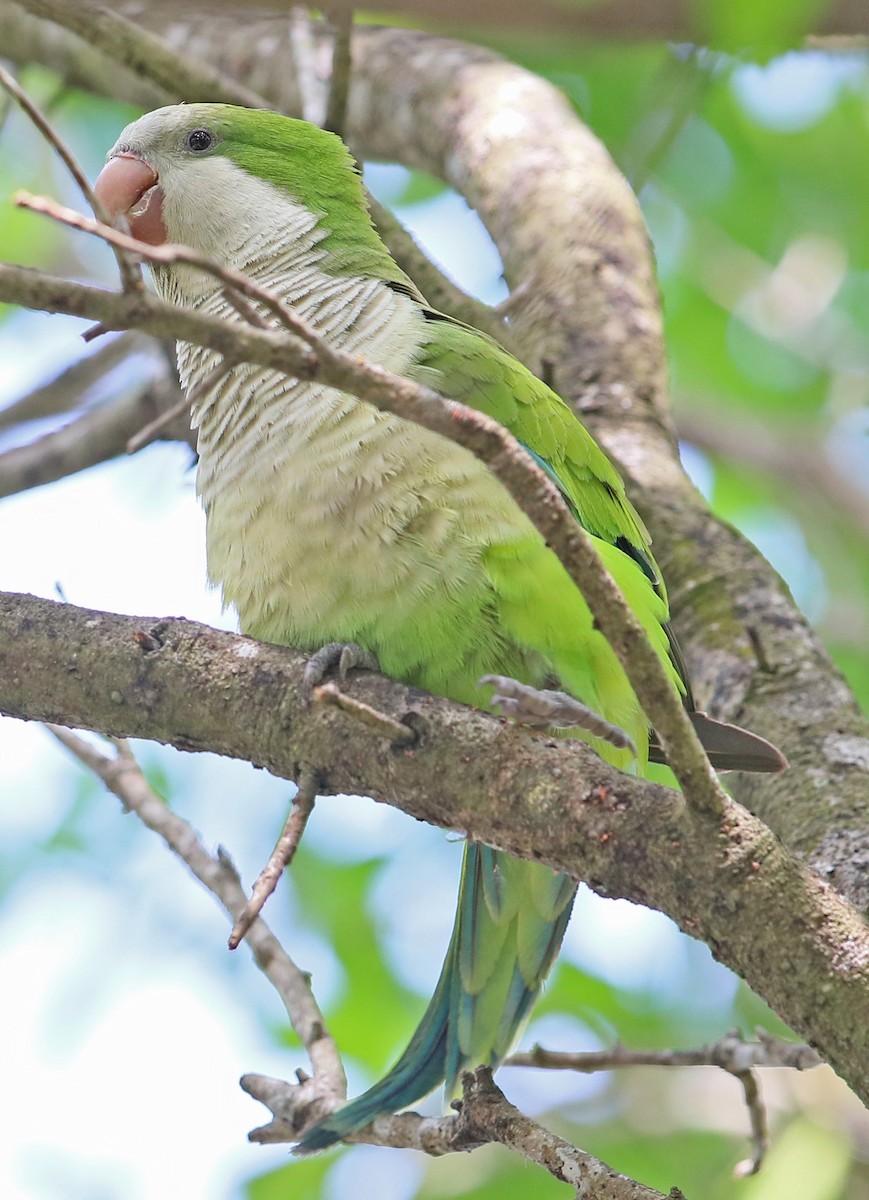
x=375 y=1014
x=302 y=1179
x=763 y=28
x=806 y=1161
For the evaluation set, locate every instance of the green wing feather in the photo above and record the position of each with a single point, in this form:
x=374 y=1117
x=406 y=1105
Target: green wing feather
x=469 y=367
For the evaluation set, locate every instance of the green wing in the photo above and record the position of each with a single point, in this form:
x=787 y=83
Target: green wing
x=469 y=367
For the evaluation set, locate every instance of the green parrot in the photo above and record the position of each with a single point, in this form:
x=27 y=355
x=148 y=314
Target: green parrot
x=331 y=522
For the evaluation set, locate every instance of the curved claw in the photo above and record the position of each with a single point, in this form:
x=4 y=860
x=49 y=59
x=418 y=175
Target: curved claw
x=539 y=708
x=346 y=656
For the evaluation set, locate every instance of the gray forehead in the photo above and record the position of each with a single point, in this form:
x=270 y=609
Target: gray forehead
x=155 y=130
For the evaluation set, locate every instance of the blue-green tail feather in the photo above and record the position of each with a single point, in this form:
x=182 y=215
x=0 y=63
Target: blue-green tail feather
x=484 y=993
x=419 y=1070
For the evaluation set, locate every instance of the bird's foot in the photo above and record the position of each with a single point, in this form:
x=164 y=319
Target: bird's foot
x=533 y=706
x=346 y=656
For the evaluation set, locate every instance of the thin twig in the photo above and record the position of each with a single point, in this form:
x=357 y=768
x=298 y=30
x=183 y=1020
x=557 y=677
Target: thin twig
x=758 y=1122
x=169 y=254
x=244 y=308
x=380 y=723
x=731 y=1053
x=187 y=401
x=280 y=858
x=340 y=17
x=181 y=408
x=123 y=776
x=130 y=271
x=147 y=433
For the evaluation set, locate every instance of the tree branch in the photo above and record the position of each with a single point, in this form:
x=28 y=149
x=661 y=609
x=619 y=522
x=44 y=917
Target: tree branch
x=725 y=879
x=485 y=1115
x=123 y=776
x=129 y=269
x=731 y=1053
x=797 y=457
x=70 y=387
x=619 y=20
x=101 y=433
x=130 y=46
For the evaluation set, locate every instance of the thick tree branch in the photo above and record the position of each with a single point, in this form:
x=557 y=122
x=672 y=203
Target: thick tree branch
x=725 y=879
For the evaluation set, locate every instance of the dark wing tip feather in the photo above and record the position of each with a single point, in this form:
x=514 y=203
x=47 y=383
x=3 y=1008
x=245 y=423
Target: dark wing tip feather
x=730 y=747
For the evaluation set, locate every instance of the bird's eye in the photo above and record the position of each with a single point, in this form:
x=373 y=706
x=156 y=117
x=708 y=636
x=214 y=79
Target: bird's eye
x=199 y=140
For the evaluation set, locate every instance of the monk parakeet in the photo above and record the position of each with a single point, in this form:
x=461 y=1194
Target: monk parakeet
x=329 y=521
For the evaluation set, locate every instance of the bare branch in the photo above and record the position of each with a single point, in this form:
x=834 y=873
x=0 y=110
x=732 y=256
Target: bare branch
x=99 y=434
x=130 y=272
x=123 y=776
x=280 y=858
x=484 y=1116
x=129 y=45
x=438 y=289
x=340 y=18
x=796 y=456
x=759 y=1125
x=71 y=385
x=148 y=432
x=731 y=1053
x=380 y=723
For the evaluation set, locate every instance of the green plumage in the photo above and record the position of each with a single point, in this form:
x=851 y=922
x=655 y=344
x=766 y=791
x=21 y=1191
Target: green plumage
x=329 y=521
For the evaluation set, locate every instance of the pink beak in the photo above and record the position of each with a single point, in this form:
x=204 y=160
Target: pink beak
x=128 y=187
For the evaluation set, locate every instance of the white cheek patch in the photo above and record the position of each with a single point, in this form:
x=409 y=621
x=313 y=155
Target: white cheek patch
x=215 y=207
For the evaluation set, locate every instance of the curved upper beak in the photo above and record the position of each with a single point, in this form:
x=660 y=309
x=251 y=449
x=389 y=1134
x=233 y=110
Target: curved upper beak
x=128 y=186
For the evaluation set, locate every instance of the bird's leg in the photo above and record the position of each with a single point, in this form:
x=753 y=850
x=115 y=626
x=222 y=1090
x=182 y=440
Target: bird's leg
x=533 y=706
x=346 y=656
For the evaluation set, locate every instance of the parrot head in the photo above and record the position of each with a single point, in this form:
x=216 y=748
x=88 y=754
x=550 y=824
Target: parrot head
x=227 y=181
x=190 y=172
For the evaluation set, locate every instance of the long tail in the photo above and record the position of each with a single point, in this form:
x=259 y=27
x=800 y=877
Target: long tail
x=509 y=925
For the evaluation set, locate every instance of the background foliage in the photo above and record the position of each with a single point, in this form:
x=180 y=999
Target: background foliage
x=752 y=166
